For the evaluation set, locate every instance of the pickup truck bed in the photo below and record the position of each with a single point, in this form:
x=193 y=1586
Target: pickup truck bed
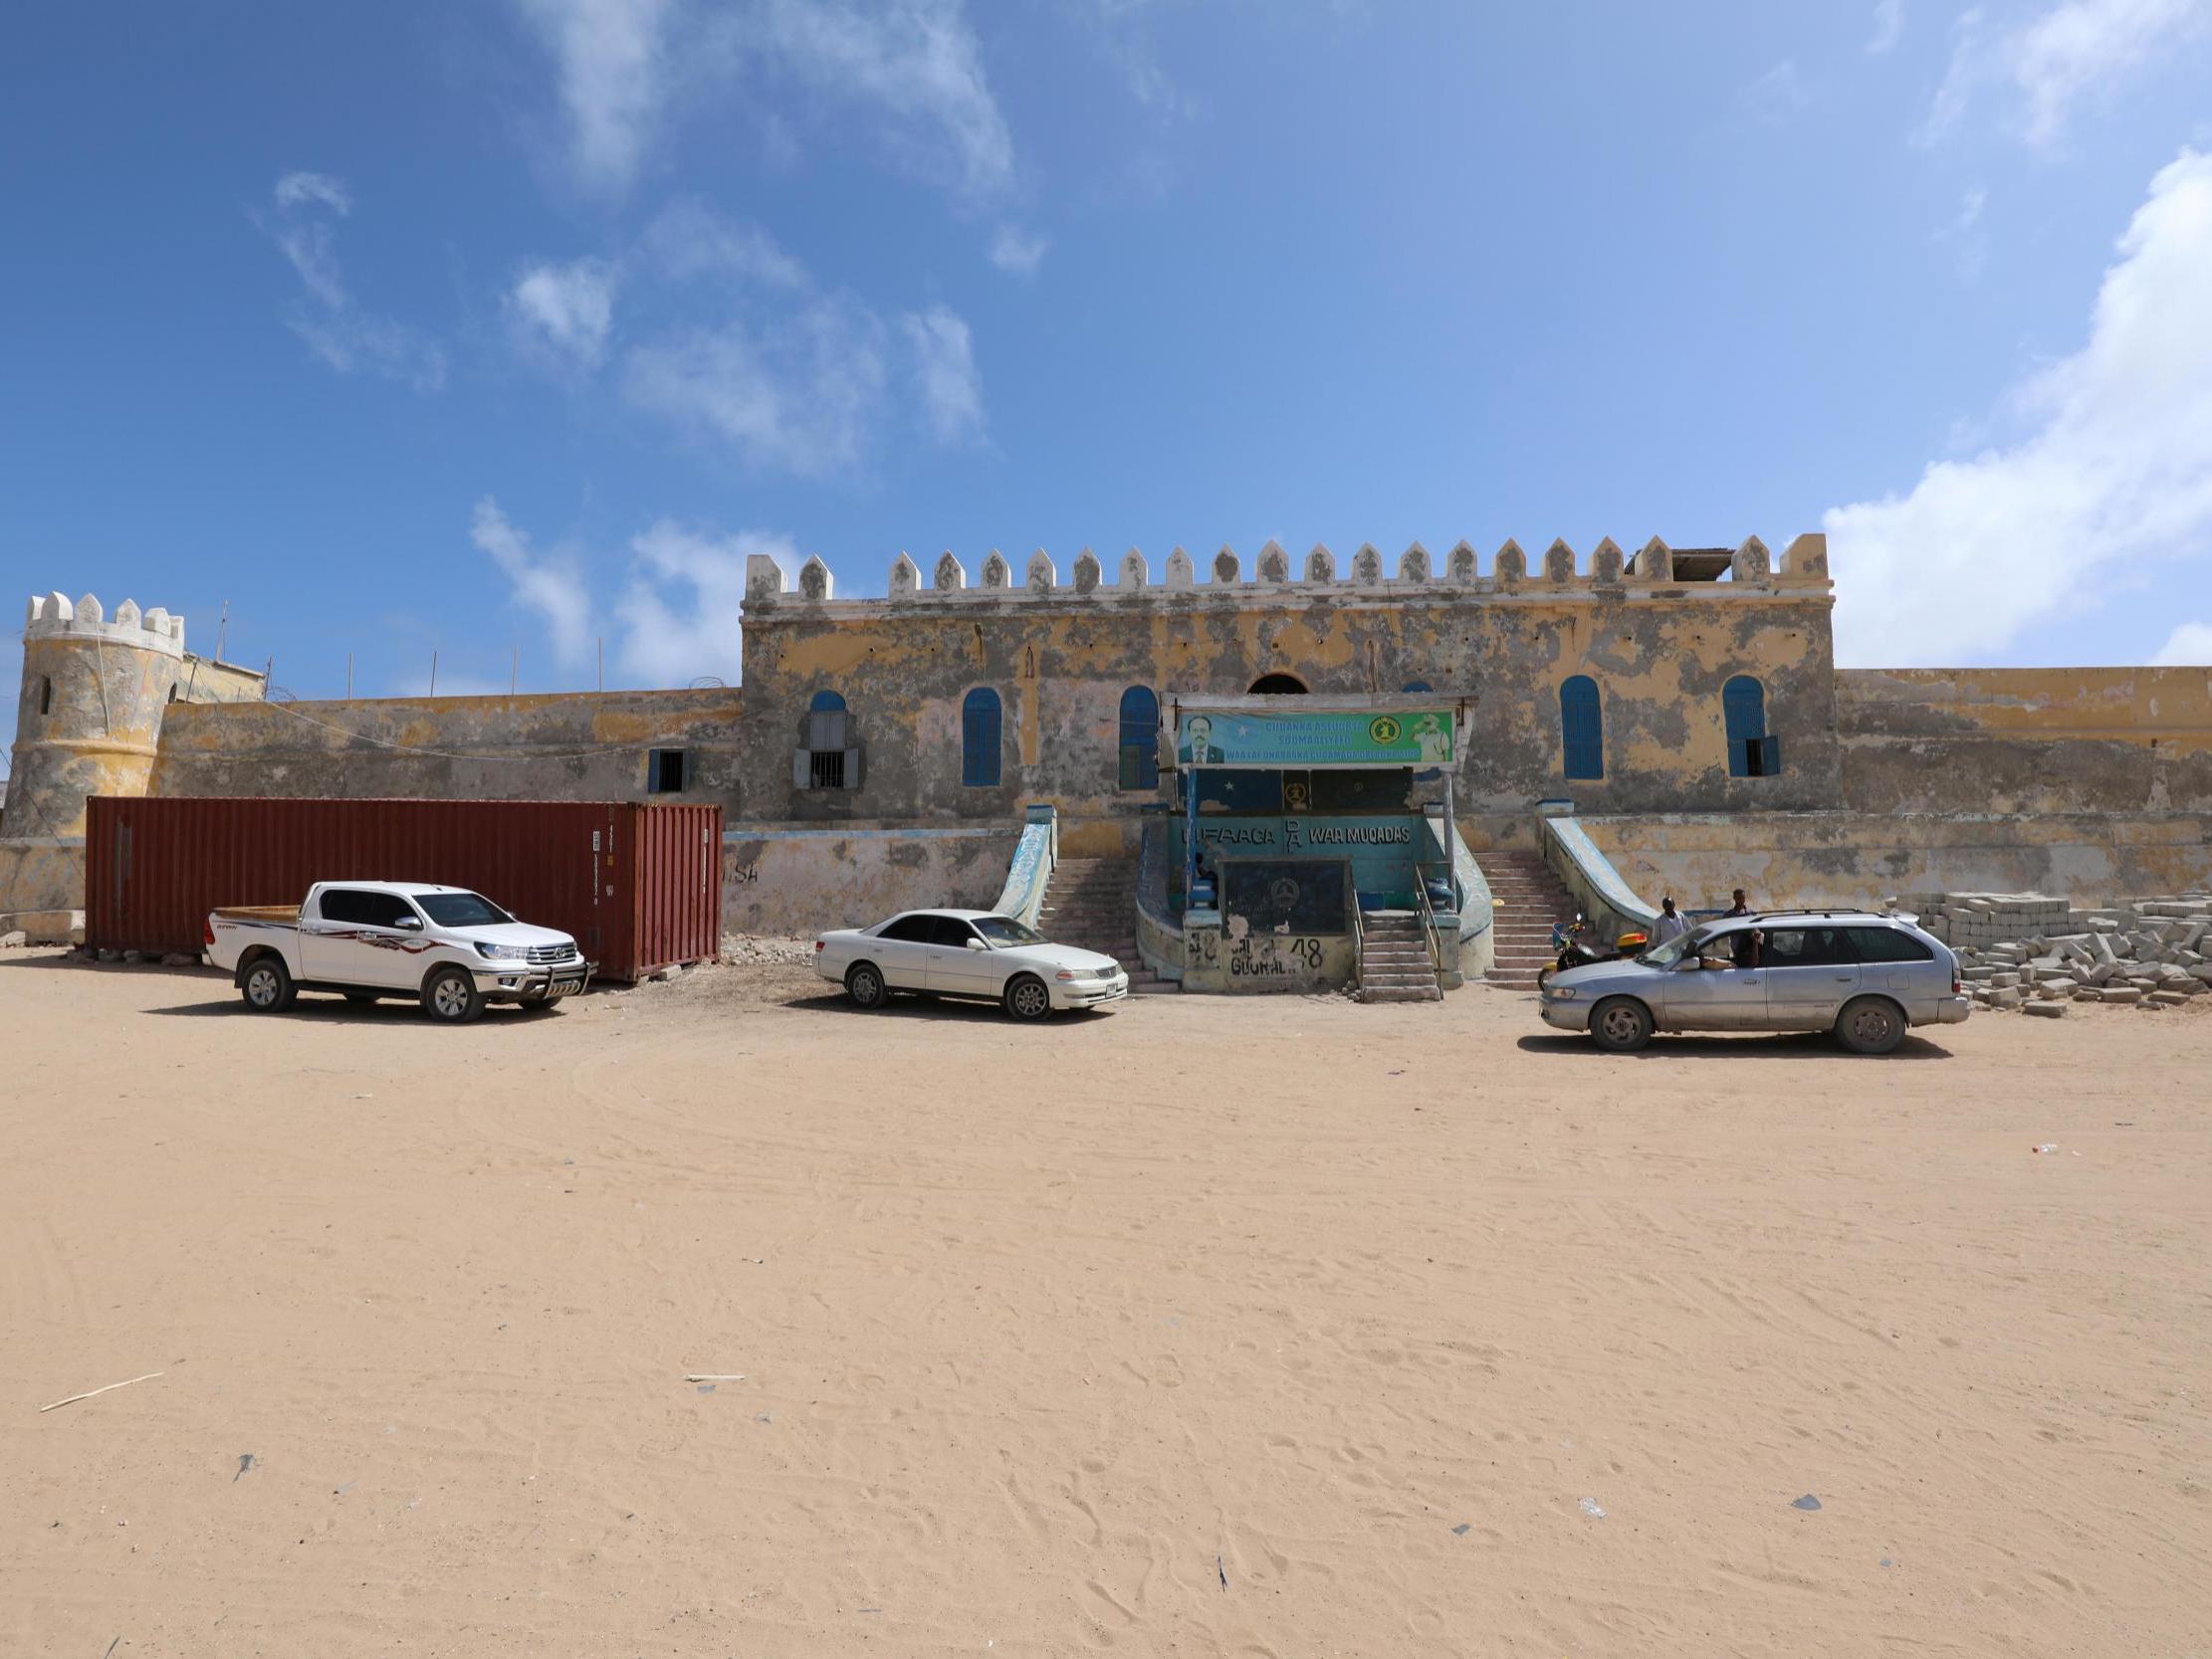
x=284 y=915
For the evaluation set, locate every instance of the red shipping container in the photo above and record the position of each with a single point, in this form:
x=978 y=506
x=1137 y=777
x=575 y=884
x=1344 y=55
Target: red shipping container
x=638 y=887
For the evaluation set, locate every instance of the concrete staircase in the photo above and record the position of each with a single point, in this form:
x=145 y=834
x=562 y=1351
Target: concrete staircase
x=1530 y=899
x=1092 y=903
x=1395 y=965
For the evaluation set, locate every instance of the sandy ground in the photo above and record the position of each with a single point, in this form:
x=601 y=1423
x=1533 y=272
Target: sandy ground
x=1283 y=1326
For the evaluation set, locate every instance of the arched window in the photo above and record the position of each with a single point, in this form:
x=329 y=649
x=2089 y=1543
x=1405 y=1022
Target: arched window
x=1581 y=727
x=1413 y=688
x=978 y=738
x=1751 y=752
x=1278 y=685
x=45 y=694
x=1140 y=739
x=826 y=702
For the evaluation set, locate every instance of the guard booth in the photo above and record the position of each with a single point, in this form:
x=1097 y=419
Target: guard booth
x=1300 y=820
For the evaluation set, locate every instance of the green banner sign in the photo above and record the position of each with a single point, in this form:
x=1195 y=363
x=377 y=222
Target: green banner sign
x=1320 y=737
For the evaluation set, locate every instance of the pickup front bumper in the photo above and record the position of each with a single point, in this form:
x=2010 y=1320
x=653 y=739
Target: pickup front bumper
x=530 y=983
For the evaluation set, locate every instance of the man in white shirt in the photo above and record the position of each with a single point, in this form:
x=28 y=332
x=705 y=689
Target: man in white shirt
x=1670 y=924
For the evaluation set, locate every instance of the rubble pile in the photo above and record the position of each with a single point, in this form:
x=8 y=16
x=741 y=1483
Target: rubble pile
x=2026 y=951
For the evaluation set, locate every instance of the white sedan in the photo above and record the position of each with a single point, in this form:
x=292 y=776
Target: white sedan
x=968 y=954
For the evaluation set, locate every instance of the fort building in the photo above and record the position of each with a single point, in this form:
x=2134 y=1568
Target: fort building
x=1670 y=719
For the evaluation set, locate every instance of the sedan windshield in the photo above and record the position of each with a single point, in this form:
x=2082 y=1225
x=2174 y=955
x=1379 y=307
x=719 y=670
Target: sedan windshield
x=461 y=909
x=1674 y=950
x=1002 y=931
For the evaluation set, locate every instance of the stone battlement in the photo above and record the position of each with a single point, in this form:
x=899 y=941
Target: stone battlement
x=51 y=616
x=1749 y=569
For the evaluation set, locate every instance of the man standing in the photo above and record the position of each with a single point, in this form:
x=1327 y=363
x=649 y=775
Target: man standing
x=1670 y=924
x=1739 y=908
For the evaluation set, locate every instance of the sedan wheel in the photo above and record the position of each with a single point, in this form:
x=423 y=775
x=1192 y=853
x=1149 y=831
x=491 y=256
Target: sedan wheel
x=1028 y=999
x=1621 y=1024
x=864 y=984
x=1869 y=1025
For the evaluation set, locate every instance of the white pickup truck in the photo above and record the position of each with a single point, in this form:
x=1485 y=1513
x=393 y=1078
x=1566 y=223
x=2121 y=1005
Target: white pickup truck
x=453 y=949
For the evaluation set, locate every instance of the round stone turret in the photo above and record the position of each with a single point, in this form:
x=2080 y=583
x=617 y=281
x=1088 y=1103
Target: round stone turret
x=93 y=689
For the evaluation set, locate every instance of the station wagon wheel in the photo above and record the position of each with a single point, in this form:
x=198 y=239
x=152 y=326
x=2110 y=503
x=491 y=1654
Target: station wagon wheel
x=266 y=986
x=864 y=984
x=1869 y=1025
x=1028 y=999
x=451 y=996
x=1621 y=1024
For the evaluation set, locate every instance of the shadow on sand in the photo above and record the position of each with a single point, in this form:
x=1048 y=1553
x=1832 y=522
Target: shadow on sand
x=1792 y=1045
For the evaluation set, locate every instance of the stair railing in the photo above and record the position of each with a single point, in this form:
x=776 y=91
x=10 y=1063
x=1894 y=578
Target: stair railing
x=1359 y=944
x=1429 y=930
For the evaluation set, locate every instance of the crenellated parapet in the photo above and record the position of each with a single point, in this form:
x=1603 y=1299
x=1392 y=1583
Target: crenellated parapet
x=53 y=616
x=1653 y=571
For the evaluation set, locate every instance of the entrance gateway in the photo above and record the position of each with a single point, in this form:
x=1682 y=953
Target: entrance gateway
x=1303 y=829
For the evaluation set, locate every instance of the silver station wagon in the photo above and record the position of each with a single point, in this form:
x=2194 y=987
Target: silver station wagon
x=1865 y=977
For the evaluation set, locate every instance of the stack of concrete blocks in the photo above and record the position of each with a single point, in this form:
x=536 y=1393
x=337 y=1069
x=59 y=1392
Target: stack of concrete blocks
x=2038 y=954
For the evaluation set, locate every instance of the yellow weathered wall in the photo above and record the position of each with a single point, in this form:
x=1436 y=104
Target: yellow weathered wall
x=1060 y=667
x=1842 y=858
x=2078 y=739
x=581 y=745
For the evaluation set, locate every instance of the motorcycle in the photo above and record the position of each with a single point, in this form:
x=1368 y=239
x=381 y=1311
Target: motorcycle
x=1578 y=950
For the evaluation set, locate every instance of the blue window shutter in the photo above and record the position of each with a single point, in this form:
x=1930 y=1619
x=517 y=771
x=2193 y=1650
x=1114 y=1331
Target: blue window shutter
x=1138 y=751
x=1581 y=727
x=1744 y=707
x=825 y=702
x=978 y=738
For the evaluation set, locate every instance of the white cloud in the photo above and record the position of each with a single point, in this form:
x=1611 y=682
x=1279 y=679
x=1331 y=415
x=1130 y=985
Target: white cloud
x=550 y=584
x=916 y=61
x=945 y=371
x=1966 y=236
x=801 y=397
x=301 y=189
x=2188 y=646
x=2113 y=471
x=611 y=60
x=676 y=615
x=679 y=613
x=1889 y=27
x=566 y=307
x=329 y=321
x=1776 y=95
x=689 y=240
x=2052 y=58
x=1015 y=250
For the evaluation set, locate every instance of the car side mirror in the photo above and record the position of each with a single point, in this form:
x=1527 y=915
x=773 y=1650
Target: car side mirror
x=1688 y=964
x=413 y=923
x=977 y=944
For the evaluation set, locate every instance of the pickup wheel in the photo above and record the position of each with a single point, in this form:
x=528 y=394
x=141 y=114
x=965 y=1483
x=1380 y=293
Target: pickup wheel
x=450 y=996
x=267 y=985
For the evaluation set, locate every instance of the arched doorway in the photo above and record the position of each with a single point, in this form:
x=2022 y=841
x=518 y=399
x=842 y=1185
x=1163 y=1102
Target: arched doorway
x=1278 y=685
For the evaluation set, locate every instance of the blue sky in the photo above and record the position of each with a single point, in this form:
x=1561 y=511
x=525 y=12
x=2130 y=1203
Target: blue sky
x=515 y=324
